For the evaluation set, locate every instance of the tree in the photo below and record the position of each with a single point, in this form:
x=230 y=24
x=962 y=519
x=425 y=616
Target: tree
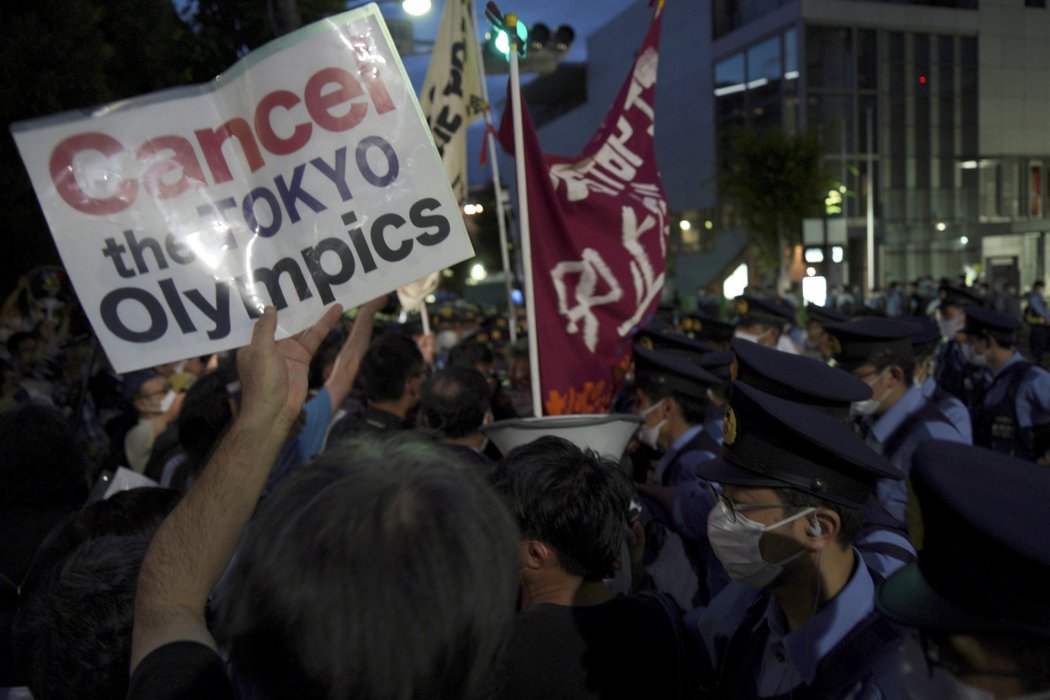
x=60 y=55
x=772 y=181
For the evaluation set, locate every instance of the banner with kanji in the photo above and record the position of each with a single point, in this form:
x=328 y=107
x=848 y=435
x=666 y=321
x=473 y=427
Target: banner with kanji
x=451 y=95
x=599 y=231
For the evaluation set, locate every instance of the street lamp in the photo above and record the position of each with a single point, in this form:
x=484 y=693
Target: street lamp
x=411 y=7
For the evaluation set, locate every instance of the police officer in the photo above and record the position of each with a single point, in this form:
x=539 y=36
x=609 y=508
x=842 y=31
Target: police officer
x=708 y=329
x=898 y=418
x=978 y=590
x=762 y=320
x=926 y=343
x=817 y=344
x=883 y=541
x=956 y=374
x=671 y=394
x=672 y=399
x=798 y=620
x=1012 y=412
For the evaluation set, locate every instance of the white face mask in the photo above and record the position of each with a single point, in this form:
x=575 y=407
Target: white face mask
x=180 y=367
x=869 y=407
x=447 y=340
x=736 y=544
x=650 y=435
x=950 y=327
x=166 y=402
x=972 y=357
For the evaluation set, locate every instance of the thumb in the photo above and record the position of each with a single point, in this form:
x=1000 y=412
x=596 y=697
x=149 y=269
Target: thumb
x=265 y=327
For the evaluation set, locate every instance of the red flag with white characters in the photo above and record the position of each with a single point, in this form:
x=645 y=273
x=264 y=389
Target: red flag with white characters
x=599 y=227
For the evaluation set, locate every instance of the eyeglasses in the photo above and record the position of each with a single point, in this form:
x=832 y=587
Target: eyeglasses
x=731 y=509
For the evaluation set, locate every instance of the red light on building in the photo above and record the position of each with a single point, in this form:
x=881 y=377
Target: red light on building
x=922 y=80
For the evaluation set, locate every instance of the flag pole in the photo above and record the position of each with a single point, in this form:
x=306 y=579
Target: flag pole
x=508 y=279
x=523 y=215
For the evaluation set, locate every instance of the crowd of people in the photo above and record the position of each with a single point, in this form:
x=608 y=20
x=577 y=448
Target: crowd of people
x=840 y=501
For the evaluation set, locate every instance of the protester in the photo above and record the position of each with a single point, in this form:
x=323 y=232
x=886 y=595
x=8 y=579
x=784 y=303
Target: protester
x=456 y=404
x=324 y=619
x=73 y=629
x=392 y=375
x=574 y=638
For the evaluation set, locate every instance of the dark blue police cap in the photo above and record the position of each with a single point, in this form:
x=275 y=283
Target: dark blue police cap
x=719 y=364
x=981 y=320
x=985 y=560
x=651 y=339
x=669 y=371
x=704 y=327
x=823 y=315
x=854 y=343
x=797 y=378
x=773 y=443
x=757 y=310
x=959 y=296
x=926 y=332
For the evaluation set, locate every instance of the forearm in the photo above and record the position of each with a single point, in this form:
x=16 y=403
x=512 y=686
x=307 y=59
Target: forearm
x=348 y=361
x=193 y=546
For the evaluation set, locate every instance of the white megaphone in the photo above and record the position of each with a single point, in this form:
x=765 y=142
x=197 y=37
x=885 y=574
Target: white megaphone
x=607 y=435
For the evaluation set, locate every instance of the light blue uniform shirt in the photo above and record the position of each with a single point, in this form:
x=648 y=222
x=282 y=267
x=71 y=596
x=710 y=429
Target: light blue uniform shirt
x=952 y=408
x=685 y=464
x=790 y=659
x=1033 y=396
x=894 y=494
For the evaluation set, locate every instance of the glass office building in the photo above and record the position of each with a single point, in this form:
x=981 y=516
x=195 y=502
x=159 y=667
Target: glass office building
x=957 y=93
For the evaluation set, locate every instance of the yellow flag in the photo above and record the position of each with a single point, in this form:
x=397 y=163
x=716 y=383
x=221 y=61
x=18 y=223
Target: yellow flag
x=451 y=94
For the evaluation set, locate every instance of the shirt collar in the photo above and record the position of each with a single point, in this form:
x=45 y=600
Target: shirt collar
x=686 y=437
x=892 y=419
x=1014 y=359
x=820 y=634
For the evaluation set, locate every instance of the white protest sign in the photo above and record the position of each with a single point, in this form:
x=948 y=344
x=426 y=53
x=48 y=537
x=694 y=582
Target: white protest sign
x=303 y=176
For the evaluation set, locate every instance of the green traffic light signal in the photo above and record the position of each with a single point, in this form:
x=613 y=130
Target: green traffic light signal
x=502 y=41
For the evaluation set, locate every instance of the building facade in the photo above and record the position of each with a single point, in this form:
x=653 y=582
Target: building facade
x=957 y=93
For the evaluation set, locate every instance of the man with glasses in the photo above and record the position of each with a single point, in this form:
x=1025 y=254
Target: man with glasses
x=978 y=590
x=798 y=619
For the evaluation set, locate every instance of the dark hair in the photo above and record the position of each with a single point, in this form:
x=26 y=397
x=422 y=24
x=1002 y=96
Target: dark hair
x=1005 y=339
x=571 y=499
x=850 y=518
x=41 y=462
x=130 y=513
x=73 y=631
x=469 y=353
x=383 y=570
x=204 y=417
x=390 y=361
x=693 y=409
x=325 y=356
x=455 y=401
x=881 y=359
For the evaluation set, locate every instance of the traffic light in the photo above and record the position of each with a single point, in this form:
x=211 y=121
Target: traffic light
x=542 y=48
